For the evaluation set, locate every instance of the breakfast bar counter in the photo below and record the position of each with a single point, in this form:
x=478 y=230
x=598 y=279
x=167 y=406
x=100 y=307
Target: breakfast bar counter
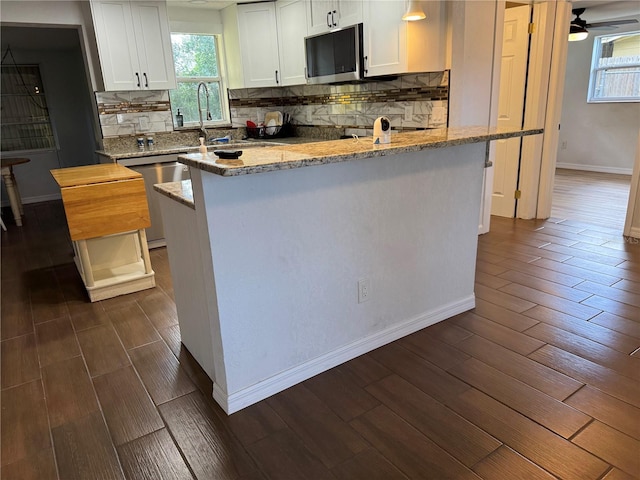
x=293 y=259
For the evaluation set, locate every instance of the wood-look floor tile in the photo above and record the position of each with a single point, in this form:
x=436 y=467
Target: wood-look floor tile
x=619 y=324
x=489 y=268
x=540 y=377
x=15 y=320
x=102 y=350
x=511 y=339
x=616 y=294
x=592 y=331
x=553 y=414
x=84 y=450
x=616 y=474
x=56 y=341
x=340 y=394
x=576 y=271
x=432 y=380
x=171 y=336
x=40 y=466
x=575 y=309
x=160 y=372
x=608 y=410
x=612 y=446
x=610 y=270
x=587 y=349
x=321 y=430
x=544 y=273
x=88 y=315
x=546 y=286
x=132 y=325
x=195 y=372
x=19 y=360
x=207 y=445
x=439 y=353
x=369 y=465
x=127 y=408
x=70 y=394
x=282 y=456
x=503 y=316
x=160 y=309
x=252 y=423
x=611 y=306
x=153 y=457
x=489 y=257
x=544 y=448
x=448 y=332
x=490 y=281
x=416 y=455
x=460 y=438
x=503 y=299
x=627 y=286
x=591 y=373
x=47 y=299
x=552 y=251
x=25 y=431
x=364 y=370
x=505 y=463
x=576 y=252
x=498 y=254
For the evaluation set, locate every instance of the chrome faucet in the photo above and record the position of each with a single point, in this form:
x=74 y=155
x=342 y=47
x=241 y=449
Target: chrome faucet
x=206 y=91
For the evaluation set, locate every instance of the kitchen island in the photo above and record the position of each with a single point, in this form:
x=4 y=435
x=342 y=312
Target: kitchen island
x=294 y=259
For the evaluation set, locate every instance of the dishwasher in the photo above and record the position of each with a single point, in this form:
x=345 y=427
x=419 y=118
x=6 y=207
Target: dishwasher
x=156 y=169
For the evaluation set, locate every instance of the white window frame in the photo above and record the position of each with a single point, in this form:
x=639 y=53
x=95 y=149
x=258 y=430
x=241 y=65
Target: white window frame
x=597 y=49
x=220 y=79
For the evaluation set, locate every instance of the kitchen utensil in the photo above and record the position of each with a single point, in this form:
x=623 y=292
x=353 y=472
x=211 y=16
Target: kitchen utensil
x=228 y=154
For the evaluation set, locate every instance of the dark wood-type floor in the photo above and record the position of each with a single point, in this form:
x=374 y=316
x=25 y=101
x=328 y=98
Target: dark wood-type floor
x=540 y=380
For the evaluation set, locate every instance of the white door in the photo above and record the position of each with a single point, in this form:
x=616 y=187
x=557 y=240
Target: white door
x=513 y=75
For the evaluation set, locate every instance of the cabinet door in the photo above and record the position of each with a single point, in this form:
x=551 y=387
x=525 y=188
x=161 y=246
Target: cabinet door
x=319 y=16
x=292 y=28
x=116 y=44
x=153 y=40
x=385 y=38
x=349 y=12
x=259 y=44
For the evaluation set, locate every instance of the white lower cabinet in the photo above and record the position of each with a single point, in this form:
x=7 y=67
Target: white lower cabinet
x=393 y=46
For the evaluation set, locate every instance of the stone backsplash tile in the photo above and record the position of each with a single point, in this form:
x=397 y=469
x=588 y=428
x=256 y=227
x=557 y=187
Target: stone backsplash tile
x=129 y=113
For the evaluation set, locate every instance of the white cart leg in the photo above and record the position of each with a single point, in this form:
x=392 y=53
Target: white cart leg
x=86 y=263
x=144 y=248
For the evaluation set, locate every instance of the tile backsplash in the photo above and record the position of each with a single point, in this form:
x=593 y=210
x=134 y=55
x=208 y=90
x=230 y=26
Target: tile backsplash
x=409 y=101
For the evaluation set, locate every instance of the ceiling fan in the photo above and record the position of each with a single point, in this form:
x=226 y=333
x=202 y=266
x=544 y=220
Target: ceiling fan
x=578 y=29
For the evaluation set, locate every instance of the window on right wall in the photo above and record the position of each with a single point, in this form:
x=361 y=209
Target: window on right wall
x=615 y=68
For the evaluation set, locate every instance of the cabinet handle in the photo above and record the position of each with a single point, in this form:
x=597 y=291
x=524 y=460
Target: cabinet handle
x=277 y=81
x=146 y=80
x=333 y=19
x=365 y=58
x=328 y=22
x=138 y=77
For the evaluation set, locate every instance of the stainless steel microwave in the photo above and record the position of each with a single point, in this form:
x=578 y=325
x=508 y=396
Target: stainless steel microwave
x=335 y=56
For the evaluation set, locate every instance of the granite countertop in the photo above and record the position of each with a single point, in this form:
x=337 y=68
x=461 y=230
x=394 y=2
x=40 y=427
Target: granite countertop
x=284 y=157
x=179 y=191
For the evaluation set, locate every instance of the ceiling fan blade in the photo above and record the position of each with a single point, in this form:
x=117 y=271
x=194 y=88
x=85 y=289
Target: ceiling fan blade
x=611 y=23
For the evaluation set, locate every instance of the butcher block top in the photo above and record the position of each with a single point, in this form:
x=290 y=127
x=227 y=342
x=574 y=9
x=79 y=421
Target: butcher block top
x=90 y=174
x=102 y=200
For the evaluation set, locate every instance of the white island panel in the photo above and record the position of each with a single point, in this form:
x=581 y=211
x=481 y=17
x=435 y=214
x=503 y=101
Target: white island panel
x=282 y=253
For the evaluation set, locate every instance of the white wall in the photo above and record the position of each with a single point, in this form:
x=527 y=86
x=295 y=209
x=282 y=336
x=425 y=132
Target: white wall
x=594 y=136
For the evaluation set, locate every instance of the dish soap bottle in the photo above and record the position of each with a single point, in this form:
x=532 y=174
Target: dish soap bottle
x=179 y=119
x=203 y=147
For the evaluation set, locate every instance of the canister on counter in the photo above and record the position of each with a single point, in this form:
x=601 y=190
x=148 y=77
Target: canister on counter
x=140 y=143
x=150 y=142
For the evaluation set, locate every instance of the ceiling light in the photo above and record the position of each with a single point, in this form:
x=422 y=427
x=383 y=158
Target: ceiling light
x=414 y=12
x=577 y=33
x=198 y=1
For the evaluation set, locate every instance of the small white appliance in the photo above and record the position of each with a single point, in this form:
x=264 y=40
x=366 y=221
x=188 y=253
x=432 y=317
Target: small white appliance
x=381 y=130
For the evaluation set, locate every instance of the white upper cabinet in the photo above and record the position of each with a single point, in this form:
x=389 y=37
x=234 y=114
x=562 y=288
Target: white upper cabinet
x=134 y=44
x=325 y=15
x=393 y=46
x=292 y=28
x=264 y=43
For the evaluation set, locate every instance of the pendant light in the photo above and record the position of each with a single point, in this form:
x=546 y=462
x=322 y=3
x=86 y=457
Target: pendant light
x=577 y=33
x=414 y=12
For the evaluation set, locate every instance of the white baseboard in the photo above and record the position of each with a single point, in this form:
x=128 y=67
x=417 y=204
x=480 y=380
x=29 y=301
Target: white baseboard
x=259 y=391
x=595 y=168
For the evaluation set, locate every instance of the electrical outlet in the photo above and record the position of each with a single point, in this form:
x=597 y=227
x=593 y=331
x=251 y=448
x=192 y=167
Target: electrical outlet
x=408 y=113
x=144 y=123
x=364 y=290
